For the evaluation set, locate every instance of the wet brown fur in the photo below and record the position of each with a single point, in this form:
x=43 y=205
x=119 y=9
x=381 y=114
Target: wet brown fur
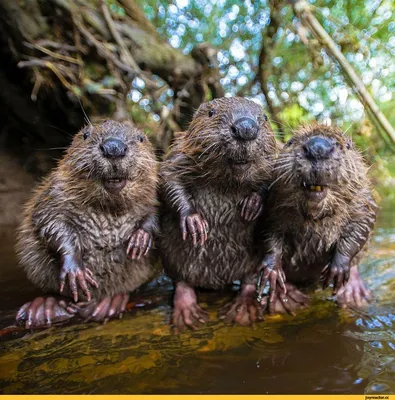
x=306 y=234
x=72 y=203
x=199 y=172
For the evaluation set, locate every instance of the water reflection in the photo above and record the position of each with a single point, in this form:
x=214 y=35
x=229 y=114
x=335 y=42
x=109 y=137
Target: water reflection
x=321 y=350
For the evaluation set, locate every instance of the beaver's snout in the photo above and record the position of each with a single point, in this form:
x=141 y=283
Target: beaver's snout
x=318 y=148
x=113 y=148
x=245 y=129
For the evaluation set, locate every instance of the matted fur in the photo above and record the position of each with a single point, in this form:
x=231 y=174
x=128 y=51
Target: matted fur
x=307 y=233
x=201 y=170
x=72 y=202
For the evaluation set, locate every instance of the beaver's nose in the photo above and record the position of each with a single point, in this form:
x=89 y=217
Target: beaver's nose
x=318 y=148
x=113 y=148
x=245 y=129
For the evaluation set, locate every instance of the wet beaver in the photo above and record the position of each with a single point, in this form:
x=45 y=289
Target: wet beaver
x=213 y=181
x=89 y=225
x=319 y=218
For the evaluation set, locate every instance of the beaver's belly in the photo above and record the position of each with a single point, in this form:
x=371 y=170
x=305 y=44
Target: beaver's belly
x=226 y=256
x=307 y=269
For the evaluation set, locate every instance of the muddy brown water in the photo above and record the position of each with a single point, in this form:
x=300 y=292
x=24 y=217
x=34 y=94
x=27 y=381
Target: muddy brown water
x=321 y=350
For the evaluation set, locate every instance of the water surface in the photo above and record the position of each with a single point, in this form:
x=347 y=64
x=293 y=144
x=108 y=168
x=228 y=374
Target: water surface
x=321 y=350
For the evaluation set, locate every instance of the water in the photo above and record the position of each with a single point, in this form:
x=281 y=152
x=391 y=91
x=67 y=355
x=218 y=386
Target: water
x=321 y=350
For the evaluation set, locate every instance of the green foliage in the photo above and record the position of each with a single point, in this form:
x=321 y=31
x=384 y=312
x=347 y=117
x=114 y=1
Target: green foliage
x=300 y=86
x=294 y=115
x=115 y=8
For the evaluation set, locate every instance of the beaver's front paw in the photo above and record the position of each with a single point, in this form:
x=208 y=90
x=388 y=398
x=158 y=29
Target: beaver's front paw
x=270 y=272
x=251 y=207
x=78 y=277
x=139 y=244
x=196 y=226
x=338 y=273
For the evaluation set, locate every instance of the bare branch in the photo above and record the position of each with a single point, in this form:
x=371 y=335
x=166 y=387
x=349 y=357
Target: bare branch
x=126 y=57
x=265 y=62
x=303 y=11
x=51 y=53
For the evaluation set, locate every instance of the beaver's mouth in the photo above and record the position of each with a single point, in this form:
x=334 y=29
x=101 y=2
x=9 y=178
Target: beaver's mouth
x=315 y=191
x=114 y=185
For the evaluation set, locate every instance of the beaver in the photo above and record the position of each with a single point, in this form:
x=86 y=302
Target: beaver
x=213 y=184
x=90 y=223
x=319 y=218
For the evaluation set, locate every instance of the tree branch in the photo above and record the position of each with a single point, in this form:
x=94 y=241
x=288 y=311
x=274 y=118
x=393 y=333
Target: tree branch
x=303 y=11
x=265 y=67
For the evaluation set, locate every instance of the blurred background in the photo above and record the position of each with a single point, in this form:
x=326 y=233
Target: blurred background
x=153 y=63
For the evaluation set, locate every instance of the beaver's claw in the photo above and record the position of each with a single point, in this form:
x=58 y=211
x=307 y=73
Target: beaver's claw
x=43 y=311
x=338 y=273
x=289 y=303
x=139 y=244
x=187 y=313
x=354 y=293
x=196 y=226
x=77 y=277
x=251 y=207
x=101 y=311
x=272 y=275
x=244 y=310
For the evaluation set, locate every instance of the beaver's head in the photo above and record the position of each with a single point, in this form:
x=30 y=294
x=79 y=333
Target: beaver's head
x=109 y=157
x=231 y=136
x=319 y=168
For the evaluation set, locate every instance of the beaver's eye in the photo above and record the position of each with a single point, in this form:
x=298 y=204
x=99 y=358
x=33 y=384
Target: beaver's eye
x=140 y=138
x=211 y=112
x=86 y=135
x=348 y=145
x=265 y=117
x=290 y=141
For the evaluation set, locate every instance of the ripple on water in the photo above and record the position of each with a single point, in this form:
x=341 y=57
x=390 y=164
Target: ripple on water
x=321 y=350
